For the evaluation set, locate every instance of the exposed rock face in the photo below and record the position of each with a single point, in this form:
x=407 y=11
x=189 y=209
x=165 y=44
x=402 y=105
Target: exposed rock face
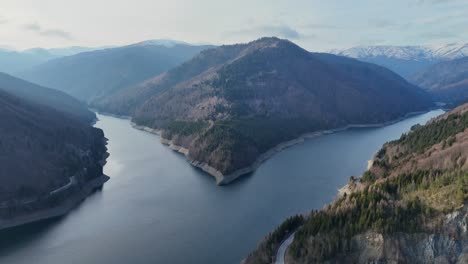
x=410 y=206
x=448 y=245
x=230 y=105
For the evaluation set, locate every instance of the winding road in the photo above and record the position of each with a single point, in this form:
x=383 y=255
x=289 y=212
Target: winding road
x=282 y=249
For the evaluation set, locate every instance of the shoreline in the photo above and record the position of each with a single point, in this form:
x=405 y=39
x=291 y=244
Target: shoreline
x=68 y=205
x=226 y=179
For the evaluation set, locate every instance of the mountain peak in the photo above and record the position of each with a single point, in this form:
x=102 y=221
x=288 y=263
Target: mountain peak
x=270 y=42
x=169 y=43
x=233 y=98
x=406 y=60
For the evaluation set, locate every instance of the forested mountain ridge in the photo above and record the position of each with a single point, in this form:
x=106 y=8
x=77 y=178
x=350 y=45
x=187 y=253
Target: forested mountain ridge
x=410 y=206
x=95 y=74
x=46 y=96
x=447 y=81
x=229 y=105
x=49 y=159
x=126 y=101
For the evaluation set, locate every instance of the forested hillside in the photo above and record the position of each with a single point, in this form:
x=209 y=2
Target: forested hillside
x=48 y=153
x=231 y=104
x=96 y=74
x=409 y=207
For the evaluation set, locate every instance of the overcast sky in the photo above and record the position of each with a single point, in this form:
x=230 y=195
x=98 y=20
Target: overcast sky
x=313 y=24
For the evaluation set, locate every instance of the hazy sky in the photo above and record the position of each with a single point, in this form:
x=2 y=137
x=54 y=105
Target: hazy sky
x=315 y=25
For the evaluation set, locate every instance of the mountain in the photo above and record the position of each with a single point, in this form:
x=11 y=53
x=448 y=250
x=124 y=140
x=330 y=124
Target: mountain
x=448 y=80
x=406 y=60
x=229 y=106
x=49 y=159
x=16 y=61
x=95 y=74
x=60 y=52
x=45 y=96
x=410 y=206
x=169 y=43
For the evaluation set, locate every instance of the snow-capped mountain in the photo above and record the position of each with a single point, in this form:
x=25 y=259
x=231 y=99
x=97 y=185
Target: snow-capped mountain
x=406 y=60
x=169 y=43
x=435 y=52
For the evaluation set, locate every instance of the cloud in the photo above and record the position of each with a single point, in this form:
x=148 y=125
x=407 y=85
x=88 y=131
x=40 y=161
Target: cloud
x=51 y=32
x=32 y=27
x=372 y=23
x=267 y=30
x=56 y=33
x=321 y=26
x=422 y=2
x=3 y=20
x=382 y=23
x=437 y=35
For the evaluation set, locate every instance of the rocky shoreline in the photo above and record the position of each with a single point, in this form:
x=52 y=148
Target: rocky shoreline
x=222 y=179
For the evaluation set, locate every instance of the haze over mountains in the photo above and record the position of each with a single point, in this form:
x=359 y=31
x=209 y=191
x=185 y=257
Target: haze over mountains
x=448 y=80
x=94 y=74
x=226 y=105
x=12 y=61
x=51 y=98
x=406 y=60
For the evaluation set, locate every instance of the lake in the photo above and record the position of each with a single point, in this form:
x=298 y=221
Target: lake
x=157 y=208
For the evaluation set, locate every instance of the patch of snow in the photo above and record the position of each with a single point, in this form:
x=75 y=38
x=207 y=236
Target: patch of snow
x=428 y=52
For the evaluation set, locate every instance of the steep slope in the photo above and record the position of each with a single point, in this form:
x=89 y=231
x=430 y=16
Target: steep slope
x=49 y=160
x=406 y=60
x=45 y=96
x=126 y=101
x=411 y=206
x=448 y=81
x=95 y=74
x=229 y=106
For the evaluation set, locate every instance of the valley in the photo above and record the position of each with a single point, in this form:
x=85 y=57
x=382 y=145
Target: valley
x=158 y=191
x=223 y=108
x=233 y=132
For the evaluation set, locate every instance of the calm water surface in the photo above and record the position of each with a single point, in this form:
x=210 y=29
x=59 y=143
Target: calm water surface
x=158 y=209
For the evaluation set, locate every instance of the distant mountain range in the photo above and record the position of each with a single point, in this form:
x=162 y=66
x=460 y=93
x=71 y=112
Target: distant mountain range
x=60 y=52
x=94 y=74
x=12 y=61
x=406 y=60
x=447 y=80
x=169 y=43
x=228 y=106
x=50 y=155
x=51 y=98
